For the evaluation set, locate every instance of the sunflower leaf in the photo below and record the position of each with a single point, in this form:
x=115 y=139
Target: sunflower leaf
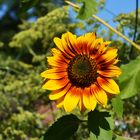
x=104 y=134
x=63 y=128
x=129 y=80
x=88 y=8
x=97 y=120
x=117 y=104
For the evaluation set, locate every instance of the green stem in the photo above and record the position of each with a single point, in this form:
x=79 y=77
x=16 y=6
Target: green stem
x=31 y=51
x=10 y=70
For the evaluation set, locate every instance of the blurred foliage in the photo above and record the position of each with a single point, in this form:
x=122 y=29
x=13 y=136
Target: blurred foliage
x=21 y=126
x=14 y=12
x=1 y=44
x=25 y=112
x=43 y=29
x=127 y=21
x=19 y=88
x=126 y=24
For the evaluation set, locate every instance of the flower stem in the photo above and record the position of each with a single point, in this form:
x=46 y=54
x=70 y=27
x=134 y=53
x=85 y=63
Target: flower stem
x=108 y=26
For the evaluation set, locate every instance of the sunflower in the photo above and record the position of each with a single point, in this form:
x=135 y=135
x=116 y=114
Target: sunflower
x=81 y=72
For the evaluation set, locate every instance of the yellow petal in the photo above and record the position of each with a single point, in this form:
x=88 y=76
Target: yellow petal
x=110 y=71
x=62 y=45
x=106 y=43
x=58 y=43
x=91 y=35
x=108 y=85
x=59 y=56
x=63 y=38
x=72 y=38
x=71 y=99
x=99 y=94
x=44 y=73
x=103 y=47
x=55 y=84
x=56 y=51
x=88 y=99
x=63 y=53
x=57 y=65
x=82 y=45
x=87 y=40
x=59 y=93
x=66 y=45
x=81 y=105
x=57 y=60
x=116 y=61
x=72 y=43
x=97 y=43
x=60 y=102
x=57 y=74
x=53 y=62
x=110 y=54
x=91 y=38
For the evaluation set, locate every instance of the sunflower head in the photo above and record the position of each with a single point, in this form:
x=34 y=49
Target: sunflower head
x=81 y=72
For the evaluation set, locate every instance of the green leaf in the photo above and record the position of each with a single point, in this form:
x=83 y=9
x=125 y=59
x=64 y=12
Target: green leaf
x=104 y=135
x=122 y=138
x=129 y=80
x=97 y=120
x=88 y=8
x=111 y=121
x=117 y=104
x=63 y=128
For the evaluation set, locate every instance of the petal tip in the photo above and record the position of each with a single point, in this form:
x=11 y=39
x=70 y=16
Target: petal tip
x=67 y=108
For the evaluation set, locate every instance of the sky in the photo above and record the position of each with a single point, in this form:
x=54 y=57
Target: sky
x=117 y=7
x=111 y=10
x=120 y=6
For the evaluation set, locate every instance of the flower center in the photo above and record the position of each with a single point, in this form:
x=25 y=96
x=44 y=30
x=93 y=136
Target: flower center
x=82 y=71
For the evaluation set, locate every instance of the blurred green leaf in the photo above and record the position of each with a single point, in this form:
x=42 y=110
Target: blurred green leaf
x=122 y=138
x=62 y=129
x=43 y=29
x=97 y=120
x=26 y=4
x=1 y=44
x=88 y=8
x=129 y=81
x=117 y=104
